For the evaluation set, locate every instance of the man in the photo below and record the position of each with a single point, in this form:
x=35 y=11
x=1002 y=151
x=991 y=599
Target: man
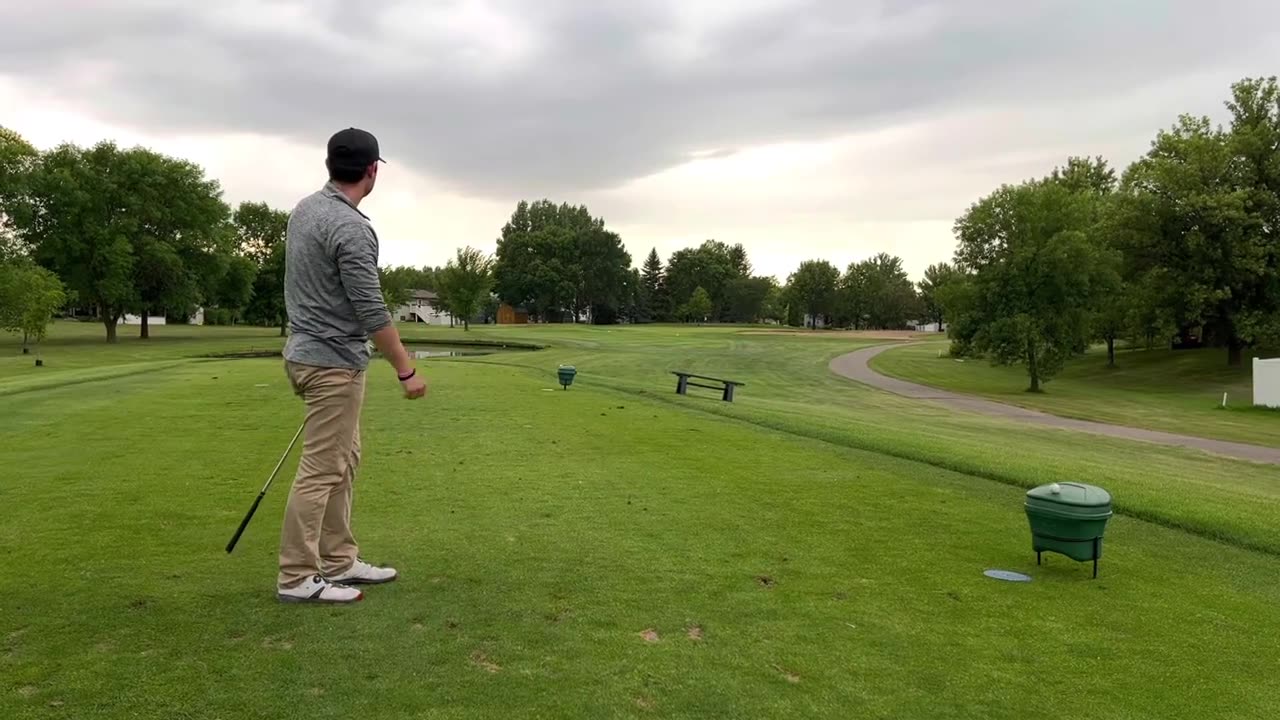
x=335 y=307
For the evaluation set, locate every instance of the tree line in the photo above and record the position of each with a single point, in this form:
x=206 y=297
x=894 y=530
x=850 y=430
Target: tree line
x=112 y=231
x=561 y=264
x=108 y=231
x=1181 y=247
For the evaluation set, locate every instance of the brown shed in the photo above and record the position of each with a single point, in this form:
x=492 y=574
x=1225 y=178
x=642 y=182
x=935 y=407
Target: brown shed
x=508 y=315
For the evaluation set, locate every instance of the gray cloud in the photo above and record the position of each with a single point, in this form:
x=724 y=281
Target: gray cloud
x=538 y=98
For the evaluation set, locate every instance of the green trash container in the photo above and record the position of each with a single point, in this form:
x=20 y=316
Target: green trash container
x=566 y=373
x=1069 y=518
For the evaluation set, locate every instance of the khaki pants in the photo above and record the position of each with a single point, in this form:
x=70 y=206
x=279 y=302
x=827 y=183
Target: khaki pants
x=316 y=536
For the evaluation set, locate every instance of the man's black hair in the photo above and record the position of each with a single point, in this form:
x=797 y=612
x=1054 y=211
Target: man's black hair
x=345 y=175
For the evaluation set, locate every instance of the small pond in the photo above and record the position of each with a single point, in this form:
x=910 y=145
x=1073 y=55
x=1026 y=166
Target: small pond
x=426 y=351
x=422 y=352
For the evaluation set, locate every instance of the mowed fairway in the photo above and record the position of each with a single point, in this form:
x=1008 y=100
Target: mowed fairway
x=813 y=550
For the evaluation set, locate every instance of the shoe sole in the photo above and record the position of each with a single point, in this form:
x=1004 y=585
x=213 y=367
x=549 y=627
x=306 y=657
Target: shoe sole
x=358 y=581
x=316 y=601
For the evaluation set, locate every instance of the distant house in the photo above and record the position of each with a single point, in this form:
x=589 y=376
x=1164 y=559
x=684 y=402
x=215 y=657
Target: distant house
x=817 y=323
x=196 y=318
x=922 y=326
x=129 y=319
x=421 y=308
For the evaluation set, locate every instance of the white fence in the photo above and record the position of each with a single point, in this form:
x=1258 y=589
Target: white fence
x=1266 y=382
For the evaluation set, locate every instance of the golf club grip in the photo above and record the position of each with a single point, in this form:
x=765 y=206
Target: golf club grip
x=245 y=523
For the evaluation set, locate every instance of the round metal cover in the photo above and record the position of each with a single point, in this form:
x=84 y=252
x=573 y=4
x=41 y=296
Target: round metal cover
x=1007 y=575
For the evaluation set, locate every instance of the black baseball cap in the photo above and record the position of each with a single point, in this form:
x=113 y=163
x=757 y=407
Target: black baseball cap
x=353 y=149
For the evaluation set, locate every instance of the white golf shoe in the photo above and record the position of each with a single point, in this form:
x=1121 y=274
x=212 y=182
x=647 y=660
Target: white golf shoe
x=362 y=573
x=319 y=590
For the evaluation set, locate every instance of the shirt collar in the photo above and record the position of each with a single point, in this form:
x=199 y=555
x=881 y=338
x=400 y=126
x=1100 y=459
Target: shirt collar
x=331 y=190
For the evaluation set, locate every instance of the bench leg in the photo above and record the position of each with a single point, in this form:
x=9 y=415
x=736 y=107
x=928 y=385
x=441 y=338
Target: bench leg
x=682 y=386
x=728 y=393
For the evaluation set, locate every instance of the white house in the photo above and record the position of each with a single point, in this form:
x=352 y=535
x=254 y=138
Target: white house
x=196 y=318
x=137 y=320
x=420 y=309
x=923 y=326
x=818 y=323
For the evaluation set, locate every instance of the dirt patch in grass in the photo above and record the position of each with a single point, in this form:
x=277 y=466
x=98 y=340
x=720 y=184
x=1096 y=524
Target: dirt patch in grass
x=483 y=662
x=695 y=632
x=790 y=676
x=650 y=635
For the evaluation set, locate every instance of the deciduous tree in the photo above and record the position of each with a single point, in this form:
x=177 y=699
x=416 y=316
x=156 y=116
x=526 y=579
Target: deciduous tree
x=29 y=296
x=554 y=259
x=260 y=233
x=698 y=308
x=935 y=276
x=745 y=298
x=710 y=266
x=467 y=282
x=1036 y=270
x=812 y=288
x=1194 y=231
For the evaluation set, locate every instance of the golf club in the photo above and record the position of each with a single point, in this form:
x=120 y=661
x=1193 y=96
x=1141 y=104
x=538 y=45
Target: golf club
x=254 y=508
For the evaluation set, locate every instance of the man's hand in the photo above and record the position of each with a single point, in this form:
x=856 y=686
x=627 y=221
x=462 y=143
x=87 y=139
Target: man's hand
x=387 y=339
x=415 y=387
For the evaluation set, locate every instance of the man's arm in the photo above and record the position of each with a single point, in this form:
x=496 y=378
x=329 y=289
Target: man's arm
x=387 y=339
x=357 y=254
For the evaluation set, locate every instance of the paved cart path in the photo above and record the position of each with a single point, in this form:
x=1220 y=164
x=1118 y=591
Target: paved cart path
x=855 y=367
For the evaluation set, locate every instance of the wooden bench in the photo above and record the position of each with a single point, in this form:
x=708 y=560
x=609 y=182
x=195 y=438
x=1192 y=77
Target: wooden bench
x=725 y=386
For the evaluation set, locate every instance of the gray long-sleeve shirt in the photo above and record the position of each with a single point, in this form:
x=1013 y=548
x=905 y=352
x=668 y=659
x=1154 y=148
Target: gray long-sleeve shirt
x=331 y=288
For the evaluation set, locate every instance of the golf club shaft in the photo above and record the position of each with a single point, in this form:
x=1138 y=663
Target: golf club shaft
x=258 y=500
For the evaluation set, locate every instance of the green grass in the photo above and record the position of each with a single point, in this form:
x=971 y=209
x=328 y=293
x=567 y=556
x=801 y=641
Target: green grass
x=541 y=531
x=1178 y=392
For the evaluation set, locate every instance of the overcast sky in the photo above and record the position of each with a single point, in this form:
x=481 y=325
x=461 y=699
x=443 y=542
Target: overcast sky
x=802 y=129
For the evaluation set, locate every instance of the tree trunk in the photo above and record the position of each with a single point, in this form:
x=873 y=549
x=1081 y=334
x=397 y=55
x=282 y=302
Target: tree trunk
x=109 y=320
x=466 y=325
x=1032 y=369
x=1235 y=351
x=25 y=350
x=282 y=326
x=1111 y=352
x=145 y=332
